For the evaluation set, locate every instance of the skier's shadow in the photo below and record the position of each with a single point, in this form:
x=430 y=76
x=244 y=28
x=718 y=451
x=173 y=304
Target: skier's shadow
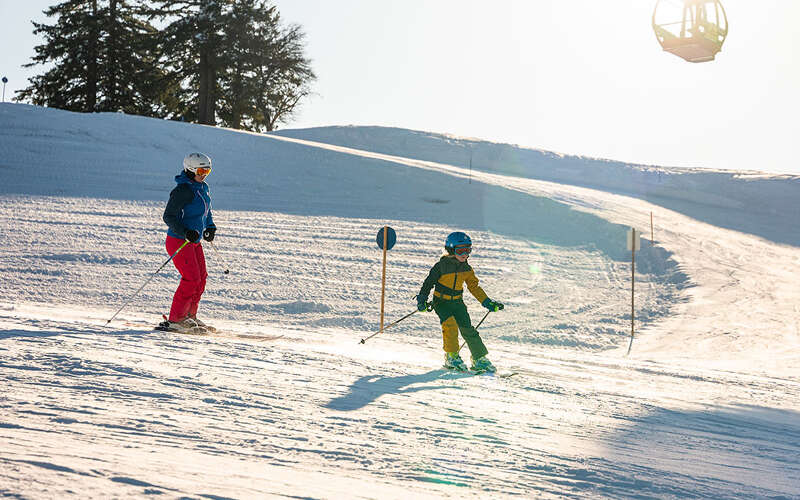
x=368 y=388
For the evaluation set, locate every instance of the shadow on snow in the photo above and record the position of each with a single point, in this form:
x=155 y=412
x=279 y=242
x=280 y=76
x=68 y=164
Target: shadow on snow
x=367 y=389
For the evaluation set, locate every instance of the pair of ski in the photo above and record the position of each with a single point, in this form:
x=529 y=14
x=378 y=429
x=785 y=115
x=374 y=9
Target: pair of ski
x=210 y=331
x=480 y=372
x=164 y=326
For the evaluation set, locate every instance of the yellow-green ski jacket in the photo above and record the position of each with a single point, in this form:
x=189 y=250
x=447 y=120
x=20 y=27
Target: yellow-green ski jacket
x=448 y=277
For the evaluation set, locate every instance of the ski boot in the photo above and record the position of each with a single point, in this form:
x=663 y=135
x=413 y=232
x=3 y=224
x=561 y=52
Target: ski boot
x=186 y=325
x=452 y=361
x=482 y=365
x=201 y=324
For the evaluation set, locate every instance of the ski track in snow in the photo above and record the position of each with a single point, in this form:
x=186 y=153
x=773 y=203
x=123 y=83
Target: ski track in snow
x=737 y=281
x=322 y=271
x=137 y=411
x=706 y=405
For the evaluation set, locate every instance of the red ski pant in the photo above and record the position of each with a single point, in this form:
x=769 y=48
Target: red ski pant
x=191 y=263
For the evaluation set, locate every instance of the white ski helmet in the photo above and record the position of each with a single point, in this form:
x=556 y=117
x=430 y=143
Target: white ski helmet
x=194 y=161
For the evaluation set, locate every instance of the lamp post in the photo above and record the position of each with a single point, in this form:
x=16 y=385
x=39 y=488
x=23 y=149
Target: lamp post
x=5 y=80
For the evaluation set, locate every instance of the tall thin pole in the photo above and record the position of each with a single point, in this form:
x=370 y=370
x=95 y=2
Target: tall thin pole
x=146 y=282
x=633 y=285
x=219 y=254
x=633 y=281
x=383 y=277
x=389 y=325
x=5 y=80
x=470 y=166
x=652 y=233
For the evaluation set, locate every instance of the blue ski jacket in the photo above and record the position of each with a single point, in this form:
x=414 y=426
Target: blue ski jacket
x=189 y=207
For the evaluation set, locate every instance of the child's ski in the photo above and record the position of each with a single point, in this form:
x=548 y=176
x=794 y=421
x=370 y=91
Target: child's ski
x=492 y=374
x=483 y=372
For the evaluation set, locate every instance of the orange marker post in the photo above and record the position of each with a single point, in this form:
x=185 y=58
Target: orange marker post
x=634 y=244
x=652 y=232
x=383 y=274
x=386 y=240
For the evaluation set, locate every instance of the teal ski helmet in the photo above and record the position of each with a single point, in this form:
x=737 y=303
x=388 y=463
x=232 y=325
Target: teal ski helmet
x=456 y=240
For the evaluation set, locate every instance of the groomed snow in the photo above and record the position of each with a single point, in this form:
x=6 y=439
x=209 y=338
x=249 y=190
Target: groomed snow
x=706 y=405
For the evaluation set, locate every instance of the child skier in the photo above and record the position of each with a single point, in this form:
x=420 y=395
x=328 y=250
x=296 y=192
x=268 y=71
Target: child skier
x=448 y=276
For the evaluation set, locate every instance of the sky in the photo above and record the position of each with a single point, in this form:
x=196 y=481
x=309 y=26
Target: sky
x=582 y=77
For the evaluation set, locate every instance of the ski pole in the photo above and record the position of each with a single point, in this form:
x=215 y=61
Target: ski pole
x=146 y=282
x=479 y=324
x=390 y=324
x=219 y=254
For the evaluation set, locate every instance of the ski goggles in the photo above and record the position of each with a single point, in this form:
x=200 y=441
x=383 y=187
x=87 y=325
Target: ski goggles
x=202 y=171
x=465 y=250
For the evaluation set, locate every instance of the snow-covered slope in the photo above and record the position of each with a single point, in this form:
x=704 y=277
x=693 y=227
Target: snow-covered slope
x=706 y=405
x=763 y=203
x=306 y=218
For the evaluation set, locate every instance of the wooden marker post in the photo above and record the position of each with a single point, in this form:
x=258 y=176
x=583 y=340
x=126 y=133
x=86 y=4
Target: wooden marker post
x=383 y=273
x=470 y=165
x=386 y=240
x=634 y=244
x=652 y=233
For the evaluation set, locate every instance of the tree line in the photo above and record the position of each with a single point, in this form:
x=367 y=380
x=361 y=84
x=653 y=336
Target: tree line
x=217 y=62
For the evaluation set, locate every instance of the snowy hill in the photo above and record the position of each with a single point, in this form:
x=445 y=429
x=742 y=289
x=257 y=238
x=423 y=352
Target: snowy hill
x=295 y=406
x=763 y=201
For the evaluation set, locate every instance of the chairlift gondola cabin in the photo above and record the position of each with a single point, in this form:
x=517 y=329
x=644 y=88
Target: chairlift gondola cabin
x=691 y=29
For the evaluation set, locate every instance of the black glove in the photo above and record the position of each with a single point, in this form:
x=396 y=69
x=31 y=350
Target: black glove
x=192 y=235
x=492 y=305
x=208 y=234
x=422 y=303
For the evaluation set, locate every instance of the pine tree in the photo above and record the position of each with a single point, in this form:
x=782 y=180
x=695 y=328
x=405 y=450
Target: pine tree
x=267 y=74
x=216 y=61
x=282 y=74
x=103 y=58
x=71 y=44
x=234 y=63
x=193 y=52
x=132 y=80
x=235 y=94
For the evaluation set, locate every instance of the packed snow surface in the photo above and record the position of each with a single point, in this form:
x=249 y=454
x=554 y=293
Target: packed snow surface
x=288 y=403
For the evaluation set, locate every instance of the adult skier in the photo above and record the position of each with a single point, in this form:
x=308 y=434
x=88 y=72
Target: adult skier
x=447 y=278
x=188 y=217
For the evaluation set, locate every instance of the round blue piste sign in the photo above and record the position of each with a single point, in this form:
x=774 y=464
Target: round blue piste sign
x=391 y=238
